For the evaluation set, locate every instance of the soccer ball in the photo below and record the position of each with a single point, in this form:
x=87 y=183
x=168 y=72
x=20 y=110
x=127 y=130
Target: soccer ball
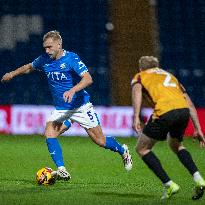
x=44 y=176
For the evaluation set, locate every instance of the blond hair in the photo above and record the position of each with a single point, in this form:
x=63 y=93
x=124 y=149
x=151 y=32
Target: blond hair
x=55 y=35
x=146 y=62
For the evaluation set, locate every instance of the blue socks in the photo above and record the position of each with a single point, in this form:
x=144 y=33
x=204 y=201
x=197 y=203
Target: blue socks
x=113 y=145
x=55 y=151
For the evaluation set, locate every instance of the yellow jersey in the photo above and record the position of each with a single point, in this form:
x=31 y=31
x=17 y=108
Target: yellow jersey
x=161 y=89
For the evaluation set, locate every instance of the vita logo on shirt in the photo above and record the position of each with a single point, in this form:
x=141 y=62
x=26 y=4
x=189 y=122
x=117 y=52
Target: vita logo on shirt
x=56 y=76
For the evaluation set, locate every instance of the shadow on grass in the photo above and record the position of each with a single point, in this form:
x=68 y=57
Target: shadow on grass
x=18 y=181
x=124 y=195
x=24 y=186
x=143 y=199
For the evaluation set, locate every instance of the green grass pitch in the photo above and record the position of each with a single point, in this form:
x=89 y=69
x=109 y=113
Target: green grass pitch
x=98 y=175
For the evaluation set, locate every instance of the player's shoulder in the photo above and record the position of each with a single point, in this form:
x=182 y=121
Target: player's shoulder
x=170 y=74
x=136 y=78
x=44 y=58
x=138 y=74
x=40 y=61
x=71 y=55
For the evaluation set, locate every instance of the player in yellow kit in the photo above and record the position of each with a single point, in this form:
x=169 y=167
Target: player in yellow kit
x=172 y=110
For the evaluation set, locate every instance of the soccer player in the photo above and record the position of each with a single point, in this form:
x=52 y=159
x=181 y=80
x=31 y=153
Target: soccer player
x=67 y=77
x=172 y=110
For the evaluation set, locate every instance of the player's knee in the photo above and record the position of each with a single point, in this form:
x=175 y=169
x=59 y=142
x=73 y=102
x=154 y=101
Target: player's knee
x=100 y=142
x=97 y=136
x=50 y=134
x=97 y=139
x=177 y=148
x=141 y=151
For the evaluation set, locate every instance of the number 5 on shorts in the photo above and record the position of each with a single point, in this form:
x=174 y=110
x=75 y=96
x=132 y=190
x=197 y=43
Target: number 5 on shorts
x=93 y=118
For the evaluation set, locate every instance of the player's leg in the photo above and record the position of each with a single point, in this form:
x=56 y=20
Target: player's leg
x=183 y=155
x=154 y=130
x=144 y=149
x=180 y=119
x=110 y=143
x=88 y=119
x=186 y=159
x=52 y=131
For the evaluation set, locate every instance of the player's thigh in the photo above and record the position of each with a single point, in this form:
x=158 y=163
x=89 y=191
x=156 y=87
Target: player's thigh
x=85 y=116
x=97 y=136
x=175 y=144
x=58 y=122
x=156 y=129
x=88 y=119
x=53 y=129
x=180 y=119
x=59 y=116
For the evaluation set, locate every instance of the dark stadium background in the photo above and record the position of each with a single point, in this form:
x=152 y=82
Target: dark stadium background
x=109 y=36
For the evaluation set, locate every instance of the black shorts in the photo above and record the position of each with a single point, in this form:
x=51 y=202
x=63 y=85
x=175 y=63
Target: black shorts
x=173 y=122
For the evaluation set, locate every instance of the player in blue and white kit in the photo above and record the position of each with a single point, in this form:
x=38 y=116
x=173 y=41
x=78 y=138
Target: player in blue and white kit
x=67 y=77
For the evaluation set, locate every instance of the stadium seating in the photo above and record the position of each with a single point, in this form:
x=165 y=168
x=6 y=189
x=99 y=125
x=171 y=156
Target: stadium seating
x=182 y=34
x=82 y=26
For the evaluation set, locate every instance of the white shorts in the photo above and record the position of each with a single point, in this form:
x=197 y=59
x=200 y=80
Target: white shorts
x=85 y=116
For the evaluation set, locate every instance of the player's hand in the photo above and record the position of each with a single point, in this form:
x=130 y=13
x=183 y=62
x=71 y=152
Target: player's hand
x=199 y=135
x=7 y=77
x=137 y=125
x=68 y=95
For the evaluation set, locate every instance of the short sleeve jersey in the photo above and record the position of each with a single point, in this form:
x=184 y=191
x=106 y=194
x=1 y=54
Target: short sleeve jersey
x=162 y=89
x=62 y=75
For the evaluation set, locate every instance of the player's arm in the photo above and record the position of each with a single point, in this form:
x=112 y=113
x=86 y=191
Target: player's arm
x=86 y=80
x=19 y=71
x=136 y=103
x=194 y=117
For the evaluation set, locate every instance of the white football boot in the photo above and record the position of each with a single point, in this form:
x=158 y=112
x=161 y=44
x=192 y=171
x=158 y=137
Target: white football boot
x=61 y=174
x=127 y=158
